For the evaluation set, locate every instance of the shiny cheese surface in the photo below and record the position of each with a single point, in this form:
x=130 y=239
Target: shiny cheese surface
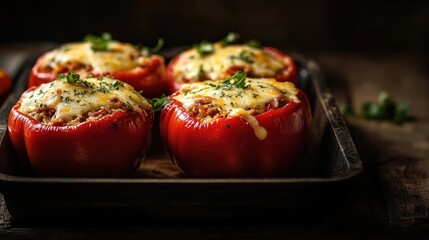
x=238 y=102
x=192 y=67
x=71 y=101
x=119 y=57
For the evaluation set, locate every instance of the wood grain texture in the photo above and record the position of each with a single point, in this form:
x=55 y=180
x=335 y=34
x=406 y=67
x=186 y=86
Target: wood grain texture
x=398 y=153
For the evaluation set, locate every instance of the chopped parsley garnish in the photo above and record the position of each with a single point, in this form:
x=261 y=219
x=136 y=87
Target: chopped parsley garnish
x=238 y=80
x=204 y=48
x=67 y=99
x=253 y=43
x=116 y=84
x=201 y=73
x=148 y=51
x=159 y=103
x=102 y=86
x=74 y=78
x=232 y=37
x=101 y=43
x=246 y=56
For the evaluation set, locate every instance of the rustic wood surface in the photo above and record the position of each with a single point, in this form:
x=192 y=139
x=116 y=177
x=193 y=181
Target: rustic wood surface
x=390 y=199
x=398 y=154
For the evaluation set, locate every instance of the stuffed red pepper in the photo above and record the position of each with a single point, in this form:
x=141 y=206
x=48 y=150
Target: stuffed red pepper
x=81 y=126
x=103 y=56
x=211 y=61
x=239 y=127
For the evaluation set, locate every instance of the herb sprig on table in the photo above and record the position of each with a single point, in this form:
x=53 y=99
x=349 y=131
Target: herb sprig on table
x=385 y=109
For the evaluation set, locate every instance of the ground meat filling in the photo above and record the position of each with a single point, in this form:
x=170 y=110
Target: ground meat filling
x=204 y=109
x=44 y=114
x=277 y=103
x=71 y=66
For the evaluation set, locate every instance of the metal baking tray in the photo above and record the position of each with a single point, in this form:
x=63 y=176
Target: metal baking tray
x=158 y=191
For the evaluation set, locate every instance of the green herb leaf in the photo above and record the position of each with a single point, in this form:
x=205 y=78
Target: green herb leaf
x=99 y=44
x=201 y=73
x=253 y=43
x=72 y=78
x=402 y=112
x=386 y=109
x=148 y=51
x=238 y=80
x=159 y=103
x=246 y=56
x=116 y=84
x=232 y=37
x=204 y=48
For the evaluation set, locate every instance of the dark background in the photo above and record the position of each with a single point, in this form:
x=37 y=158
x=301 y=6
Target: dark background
x=369 y=27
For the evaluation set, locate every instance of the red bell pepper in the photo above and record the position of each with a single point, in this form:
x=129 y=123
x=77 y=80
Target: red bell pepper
x=112 y=146
x=5 y=85
x=289 y=74
x=228 y=147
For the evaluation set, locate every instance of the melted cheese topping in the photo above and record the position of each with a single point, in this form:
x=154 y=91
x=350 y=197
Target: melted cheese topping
x=72 y=103
x=119 y=57
x=224 y=60
x=237 y=102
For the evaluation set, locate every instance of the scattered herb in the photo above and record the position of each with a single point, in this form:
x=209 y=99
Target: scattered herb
x=101 y=43
x=204 y=48
x=67 y=99
x=148 y=51
x=246 y=56
x=227 y=125
x=201 y=73
x=238 y=80
x=74 y=78
x=232 y=37
x=116 y=84
x=386 y=109
x=253 y=43
x=159 y=103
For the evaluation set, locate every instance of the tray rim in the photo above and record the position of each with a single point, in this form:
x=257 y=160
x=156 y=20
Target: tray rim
x=354 y=163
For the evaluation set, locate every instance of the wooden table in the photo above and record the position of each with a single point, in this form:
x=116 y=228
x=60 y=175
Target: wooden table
x=390 y=198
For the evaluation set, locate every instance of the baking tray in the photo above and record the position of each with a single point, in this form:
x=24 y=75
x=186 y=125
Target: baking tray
x=158 y=192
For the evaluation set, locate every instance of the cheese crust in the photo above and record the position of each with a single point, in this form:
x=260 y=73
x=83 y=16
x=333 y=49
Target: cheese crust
x=70 y=101
x=225 y=61
x=211 y=100
x=80 y=57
